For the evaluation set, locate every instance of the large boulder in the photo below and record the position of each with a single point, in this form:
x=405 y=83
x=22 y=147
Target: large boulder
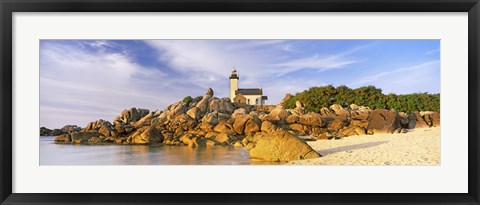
x=312 y=119
x=57 y=132
x=96 y=125
x=351 y=130
x=291 y=119
x=176 y=109
x=435 y=119
x=245 y=123
x=336 y=124
x=194 y=113
x=83 y=137
x=431 y=118
x=63 y=138
x=145 y=120
x=298 y=128
x=253 y=125
x=324 y=111
x=211 y=118
x=221 y=105
x=360 y=115
x=203 y=104
x=239 y=124
x=192 y=140
x=383 y=121
x=282 y=146
x=268 y=127
x=130 y=116
x=224 y=138
x=224 y=127
x=415 y=120
x=183 y=121
x=70 y=129
x=45 y=131
x=276 y=115
x=147 y=135
x=339 y=111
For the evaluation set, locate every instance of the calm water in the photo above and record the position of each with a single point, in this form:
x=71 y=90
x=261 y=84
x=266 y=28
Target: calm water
x=68 y=154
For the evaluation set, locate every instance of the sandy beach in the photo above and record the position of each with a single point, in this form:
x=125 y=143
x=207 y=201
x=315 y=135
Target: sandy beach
x=416 y=147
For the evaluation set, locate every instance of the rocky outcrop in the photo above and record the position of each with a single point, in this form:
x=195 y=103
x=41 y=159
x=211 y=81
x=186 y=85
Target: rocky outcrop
x=63 y=138
x=67 y=129
x=146 y=135
x=276 y=115
x=84 y=137
x=339 y=110
x=282 y=146
x=312 y=119
x=274 y=135
x=383 y=121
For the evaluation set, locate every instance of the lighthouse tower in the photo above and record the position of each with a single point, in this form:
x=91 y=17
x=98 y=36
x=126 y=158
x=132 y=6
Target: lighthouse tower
x=233 y=84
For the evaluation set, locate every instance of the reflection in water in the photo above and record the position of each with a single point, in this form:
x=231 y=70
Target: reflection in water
x=67 y=154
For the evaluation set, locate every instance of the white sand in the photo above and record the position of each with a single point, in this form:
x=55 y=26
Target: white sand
x=416 y=147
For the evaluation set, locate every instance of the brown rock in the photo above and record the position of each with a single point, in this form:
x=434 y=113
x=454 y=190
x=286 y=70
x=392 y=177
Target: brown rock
x=415 y=120
x=360 y=115
x=435 y=119
x=312 y=119
x=94 y=140
x=351 y=130
x=83 y=137
x=322 y=137
x=211 y=118
x=325 y=111
x=359 y=123
x=277 y=114
x=268 y=127
x=383 y=121
x=224 y=127
x=147 y=135
x=240 y=121
x=250 y=146
x=63 y=138
x=339 y=111
x=299 y=128
x=224 y=138
x=252 y=125
x=291 y=119
x=336 y=124
x=194 y=113
x=282 y=146
x=238 y=144
x=211 y=135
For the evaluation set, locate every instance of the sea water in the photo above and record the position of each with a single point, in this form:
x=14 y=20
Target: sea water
x=74 y=154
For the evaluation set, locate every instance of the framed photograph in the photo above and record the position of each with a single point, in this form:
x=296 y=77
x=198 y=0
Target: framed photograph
x=123 y=102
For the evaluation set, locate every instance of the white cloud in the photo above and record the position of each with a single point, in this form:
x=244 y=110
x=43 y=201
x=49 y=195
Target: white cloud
x=207 y=63
x=406 y=79
x=432 y=51
x=101 y=84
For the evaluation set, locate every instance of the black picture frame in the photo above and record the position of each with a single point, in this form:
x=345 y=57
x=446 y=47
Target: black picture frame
x=7 y=7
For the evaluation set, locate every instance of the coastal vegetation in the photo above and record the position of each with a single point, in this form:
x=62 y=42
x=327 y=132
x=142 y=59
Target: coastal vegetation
x=325 y=96
x=277 y=135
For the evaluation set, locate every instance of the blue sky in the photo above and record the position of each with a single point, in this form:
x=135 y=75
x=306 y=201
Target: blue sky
x=85 y=80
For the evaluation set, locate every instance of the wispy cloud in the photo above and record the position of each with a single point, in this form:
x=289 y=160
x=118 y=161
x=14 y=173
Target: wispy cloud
x=432 y=51
x=208 y=63
x=82 y=81
x=97 y=83
x=401 y=77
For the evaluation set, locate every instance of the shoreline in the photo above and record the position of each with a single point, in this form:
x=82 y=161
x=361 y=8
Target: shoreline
x=420 y=146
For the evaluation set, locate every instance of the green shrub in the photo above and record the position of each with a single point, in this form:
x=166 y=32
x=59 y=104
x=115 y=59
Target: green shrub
x=317 y=97
x=187 y=99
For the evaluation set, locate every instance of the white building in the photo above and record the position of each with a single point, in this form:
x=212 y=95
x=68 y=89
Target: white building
x=251 y=96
